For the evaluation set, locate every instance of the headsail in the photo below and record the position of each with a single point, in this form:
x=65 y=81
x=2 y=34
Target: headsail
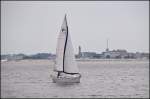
x=65 y=59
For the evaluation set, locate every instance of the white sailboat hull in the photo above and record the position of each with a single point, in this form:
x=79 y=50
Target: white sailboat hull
x=66 y=79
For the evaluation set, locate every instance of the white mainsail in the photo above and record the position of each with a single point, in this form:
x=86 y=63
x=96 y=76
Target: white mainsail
x=65 y=59
x=60 y=47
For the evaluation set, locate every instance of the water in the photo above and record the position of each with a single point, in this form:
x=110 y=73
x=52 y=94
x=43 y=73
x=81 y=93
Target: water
x=100 y=79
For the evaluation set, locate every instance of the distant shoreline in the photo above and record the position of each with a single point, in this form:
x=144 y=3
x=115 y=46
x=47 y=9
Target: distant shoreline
x=112 y=59
x=83 y=60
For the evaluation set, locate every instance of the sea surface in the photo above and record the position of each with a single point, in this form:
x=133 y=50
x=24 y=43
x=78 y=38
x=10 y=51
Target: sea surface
x=100 y=79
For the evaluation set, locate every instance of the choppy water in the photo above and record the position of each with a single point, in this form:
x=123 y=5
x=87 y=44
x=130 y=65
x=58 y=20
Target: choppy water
x=114 y=79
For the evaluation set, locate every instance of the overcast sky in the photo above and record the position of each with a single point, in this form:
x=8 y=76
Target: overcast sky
x=33 y=26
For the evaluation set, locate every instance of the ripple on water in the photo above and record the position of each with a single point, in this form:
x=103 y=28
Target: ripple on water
x=98 y=81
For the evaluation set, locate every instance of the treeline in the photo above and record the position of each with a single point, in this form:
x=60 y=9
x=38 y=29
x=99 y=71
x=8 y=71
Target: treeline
x=23 y=56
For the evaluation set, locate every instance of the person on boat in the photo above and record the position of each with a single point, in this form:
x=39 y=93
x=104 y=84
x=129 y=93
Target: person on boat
x=58 y=75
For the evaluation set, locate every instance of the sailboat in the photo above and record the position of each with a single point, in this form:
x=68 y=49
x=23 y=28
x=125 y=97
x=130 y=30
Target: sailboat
x=65 y=68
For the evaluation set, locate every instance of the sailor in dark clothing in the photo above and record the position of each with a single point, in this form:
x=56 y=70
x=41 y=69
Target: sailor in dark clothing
x=58 y=74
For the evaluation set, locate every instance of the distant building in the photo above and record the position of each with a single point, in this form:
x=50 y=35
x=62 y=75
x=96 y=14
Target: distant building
x=98 y=56
x=107 y=49
x=79 y=53
x=141 y=55
x=131 y=55
x=79 y=50
x=137 y=55
x=88 y=54
x=115 y=54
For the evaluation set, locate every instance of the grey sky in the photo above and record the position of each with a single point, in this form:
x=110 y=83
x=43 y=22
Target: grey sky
x=33 y=26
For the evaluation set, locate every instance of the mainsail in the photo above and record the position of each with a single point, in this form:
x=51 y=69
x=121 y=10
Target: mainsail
x=65 y=59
